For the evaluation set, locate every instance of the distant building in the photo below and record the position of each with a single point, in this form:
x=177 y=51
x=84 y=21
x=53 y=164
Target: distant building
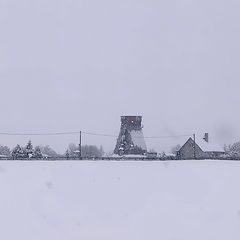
x=3 y=157
x=199 y=150
x=131 y=139
x=151 y=155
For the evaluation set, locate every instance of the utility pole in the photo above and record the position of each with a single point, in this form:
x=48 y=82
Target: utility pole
x=80 y=146
x=194 y=147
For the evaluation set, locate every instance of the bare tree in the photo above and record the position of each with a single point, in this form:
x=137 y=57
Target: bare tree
x=175 y=149
x=87 y=150
x=4 y=150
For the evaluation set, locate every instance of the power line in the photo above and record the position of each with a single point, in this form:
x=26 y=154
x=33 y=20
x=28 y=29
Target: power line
x=99 y=134
x=151 y=137
x=38 y=134
x=170 y=136
x=87 y=133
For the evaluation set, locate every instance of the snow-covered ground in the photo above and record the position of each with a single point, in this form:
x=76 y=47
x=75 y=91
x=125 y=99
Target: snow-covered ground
x=185 y=200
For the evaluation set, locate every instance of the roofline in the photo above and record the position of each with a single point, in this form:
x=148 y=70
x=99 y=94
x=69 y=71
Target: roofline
x=131 y=116
x=187 y=142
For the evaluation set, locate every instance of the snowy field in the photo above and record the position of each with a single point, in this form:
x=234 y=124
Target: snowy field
x=185 y=200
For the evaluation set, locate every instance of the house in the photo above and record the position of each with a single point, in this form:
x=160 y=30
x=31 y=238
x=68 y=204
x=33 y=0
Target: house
x=199 y=150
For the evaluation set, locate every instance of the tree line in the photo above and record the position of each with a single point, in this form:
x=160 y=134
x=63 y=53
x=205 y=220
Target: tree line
x=45 y=151
x=87 y=151
x=232 y=150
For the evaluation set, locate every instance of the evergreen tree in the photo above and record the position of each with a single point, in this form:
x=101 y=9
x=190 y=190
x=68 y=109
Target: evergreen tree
x=28 y=151
x=37 y=153
x=17 y=152
x=67 y=154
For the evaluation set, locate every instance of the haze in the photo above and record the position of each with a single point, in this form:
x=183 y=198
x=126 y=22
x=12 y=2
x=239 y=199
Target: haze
x=80 y=65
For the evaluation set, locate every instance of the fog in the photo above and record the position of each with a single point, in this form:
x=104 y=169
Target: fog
x=80 y=65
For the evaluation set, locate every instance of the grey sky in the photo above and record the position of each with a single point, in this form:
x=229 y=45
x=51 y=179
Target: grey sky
x=71 y=65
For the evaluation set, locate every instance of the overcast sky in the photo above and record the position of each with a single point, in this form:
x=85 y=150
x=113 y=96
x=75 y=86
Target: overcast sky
x=79 y=65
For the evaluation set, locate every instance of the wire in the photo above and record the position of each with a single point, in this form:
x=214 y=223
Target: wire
x=108 y=135
x=38 y=134
x=170 y=136
x=87 y=133
x=99 y=134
